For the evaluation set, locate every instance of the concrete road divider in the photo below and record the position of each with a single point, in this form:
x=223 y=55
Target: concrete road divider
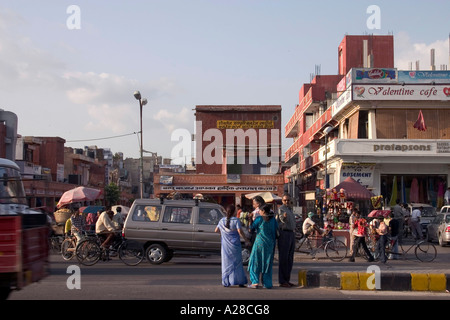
x=386 y=281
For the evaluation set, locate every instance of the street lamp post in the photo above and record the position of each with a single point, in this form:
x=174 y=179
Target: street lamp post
x=327 y=130
x=142 y=102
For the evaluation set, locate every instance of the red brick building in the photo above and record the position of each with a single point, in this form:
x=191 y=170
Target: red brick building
x=238 y=151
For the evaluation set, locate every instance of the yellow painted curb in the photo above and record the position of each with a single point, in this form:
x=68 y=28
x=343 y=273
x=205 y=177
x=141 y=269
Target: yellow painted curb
x=419 y=282
x=302 y=278
x=363 y=277
x=437 y=282
x=349 y=281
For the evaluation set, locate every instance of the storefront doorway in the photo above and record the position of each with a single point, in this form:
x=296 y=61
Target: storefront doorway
x=428 y=189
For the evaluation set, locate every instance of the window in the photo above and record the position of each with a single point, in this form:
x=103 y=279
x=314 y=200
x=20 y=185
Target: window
x=147 y=213
x=177 y=215
x=209 y=216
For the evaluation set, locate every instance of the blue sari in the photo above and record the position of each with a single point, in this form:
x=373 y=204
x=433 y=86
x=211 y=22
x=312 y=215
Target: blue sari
x=231 y=252
x=261 y=258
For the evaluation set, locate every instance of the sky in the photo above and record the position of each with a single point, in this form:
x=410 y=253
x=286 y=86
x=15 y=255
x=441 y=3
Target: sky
x=72 y=73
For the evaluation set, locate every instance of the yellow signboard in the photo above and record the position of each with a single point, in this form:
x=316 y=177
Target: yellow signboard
x=247 y=124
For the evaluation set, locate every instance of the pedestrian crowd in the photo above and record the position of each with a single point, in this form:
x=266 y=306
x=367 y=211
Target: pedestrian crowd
x=261 y=228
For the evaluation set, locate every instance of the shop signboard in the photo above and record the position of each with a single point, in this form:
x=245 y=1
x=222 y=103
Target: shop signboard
x=245 y=124
x=441 y=76
x=344 y=100
x=218 y=188
x=401 y=92
x=372 y=75
x=166 y=180
x=394 y=148
x=361 y=172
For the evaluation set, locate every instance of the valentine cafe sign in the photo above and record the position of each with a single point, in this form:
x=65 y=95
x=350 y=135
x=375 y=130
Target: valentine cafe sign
x=399 y=92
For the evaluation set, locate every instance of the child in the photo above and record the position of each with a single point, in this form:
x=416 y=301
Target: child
x=328 y=234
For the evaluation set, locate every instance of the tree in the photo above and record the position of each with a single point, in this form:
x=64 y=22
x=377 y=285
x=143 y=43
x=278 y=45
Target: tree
x=112 y=194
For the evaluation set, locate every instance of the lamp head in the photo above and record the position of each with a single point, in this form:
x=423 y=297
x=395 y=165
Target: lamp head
x=137 y=95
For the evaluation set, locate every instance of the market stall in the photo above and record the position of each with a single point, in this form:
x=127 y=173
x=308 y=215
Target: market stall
x=338 y=204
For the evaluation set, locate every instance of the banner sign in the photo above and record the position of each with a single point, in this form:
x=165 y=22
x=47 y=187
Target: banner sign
x=399 y=92
x=247 y=124
x=218 y=188
x=441 y=76
x=361 y=172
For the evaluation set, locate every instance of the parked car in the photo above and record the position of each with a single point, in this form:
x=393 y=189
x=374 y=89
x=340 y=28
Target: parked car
x=176 y=227
x=439 y=228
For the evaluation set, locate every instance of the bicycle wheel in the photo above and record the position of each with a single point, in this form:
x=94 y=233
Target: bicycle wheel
x=88 y=252
x=336 y=250
x=67 y=249
x=425 y=251
x=131 y=252
x=55 y=244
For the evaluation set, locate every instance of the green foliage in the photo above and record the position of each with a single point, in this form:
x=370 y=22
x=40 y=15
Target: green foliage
x=112 y=194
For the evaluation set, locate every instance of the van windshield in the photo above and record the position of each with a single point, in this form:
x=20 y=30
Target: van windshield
x=11 y=187
x=428 y=211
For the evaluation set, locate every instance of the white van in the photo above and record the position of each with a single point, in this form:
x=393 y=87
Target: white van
x=173 y=227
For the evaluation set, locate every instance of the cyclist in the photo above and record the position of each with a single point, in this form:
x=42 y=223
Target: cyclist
x=105 y=227
x=77 y=224
x=309 y=226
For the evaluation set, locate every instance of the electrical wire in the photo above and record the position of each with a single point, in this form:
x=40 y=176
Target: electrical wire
x=106 y=138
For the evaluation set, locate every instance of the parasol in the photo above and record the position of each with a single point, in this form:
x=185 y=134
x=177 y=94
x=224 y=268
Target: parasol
x=379 y=213
x=354 y=190
x=91 y=209
x=267 y=196
x=78 y=194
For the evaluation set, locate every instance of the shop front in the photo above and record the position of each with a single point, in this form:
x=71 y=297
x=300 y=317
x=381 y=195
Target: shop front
x=414 y=171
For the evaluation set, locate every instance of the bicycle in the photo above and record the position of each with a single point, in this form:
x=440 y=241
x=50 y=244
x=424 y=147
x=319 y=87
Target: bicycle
x=423 y=250
x=55 y=242
x=89 y=251
x=334 y=249
x=69 y=245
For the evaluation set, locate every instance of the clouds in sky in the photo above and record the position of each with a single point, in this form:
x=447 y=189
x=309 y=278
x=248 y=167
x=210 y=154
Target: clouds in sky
x=407 y=51
x=79 y=84
x=53 y=98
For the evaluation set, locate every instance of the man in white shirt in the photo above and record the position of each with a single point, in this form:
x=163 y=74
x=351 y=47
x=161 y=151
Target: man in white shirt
x=309 y=226
x=447 y=196
x=105 y=226
x=414 y=223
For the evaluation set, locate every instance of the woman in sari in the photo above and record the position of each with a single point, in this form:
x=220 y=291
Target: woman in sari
x=261 y=258
x=230 y=230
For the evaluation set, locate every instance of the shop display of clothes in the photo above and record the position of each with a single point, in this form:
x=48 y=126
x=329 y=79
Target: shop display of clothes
x=414 y=191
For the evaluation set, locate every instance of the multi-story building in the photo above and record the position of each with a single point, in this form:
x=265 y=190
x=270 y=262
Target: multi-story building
x=238 y=151
x=367 y=130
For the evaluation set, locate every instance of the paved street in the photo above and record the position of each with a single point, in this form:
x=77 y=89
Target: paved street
x=195 y=278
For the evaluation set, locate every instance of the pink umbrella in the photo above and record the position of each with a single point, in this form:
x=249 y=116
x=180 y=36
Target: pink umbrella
x=78 y=194
x=379 y=213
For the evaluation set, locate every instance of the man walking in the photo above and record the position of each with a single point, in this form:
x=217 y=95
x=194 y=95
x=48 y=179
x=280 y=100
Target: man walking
x=286 y=242
x=400 y=217
x=416 y=228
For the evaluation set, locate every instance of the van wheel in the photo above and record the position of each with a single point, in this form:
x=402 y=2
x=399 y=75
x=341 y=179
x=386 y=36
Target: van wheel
x=169 y=255
x=156 y=254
